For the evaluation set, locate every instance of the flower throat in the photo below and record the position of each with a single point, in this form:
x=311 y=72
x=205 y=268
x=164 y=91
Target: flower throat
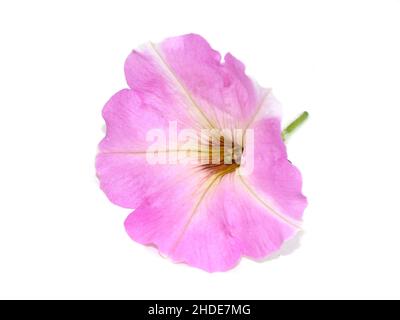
x=223 y=157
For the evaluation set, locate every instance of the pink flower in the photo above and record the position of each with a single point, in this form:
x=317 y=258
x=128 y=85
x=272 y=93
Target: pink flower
x=206 y=215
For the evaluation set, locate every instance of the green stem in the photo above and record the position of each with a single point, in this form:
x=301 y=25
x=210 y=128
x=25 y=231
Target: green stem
x=294 y=125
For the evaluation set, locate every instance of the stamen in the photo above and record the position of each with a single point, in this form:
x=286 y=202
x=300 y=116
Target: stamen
x=223 y=156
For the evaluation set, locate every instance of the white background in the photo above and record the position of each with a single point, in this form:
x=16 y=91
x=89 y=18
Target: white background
x=60 y=61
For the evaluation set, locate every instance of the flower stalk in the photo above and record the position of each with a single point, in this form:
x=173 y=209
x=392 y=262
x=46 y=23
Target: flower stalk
x=294 y=125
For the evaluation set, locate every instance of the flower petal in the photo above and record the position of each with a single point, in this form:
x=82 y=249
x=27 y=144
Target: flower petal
x=218 y=94
x=148 y=75
x=122 y=167
x=223 y=90
x=208 y=225
x=274 y=179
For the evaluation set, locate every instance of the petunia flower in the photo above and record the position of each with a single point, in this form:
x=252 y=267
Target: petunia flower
x=207 y=215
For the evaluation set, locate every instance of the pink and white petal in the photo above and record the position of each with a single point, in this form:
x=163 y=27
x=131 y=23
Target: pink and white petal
x=148 y=75
x=122 y=167
x=188 y=72
x=161 y=217
x=274 y=179
x=128 y=178
x=128 y=120
x=209 y=226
